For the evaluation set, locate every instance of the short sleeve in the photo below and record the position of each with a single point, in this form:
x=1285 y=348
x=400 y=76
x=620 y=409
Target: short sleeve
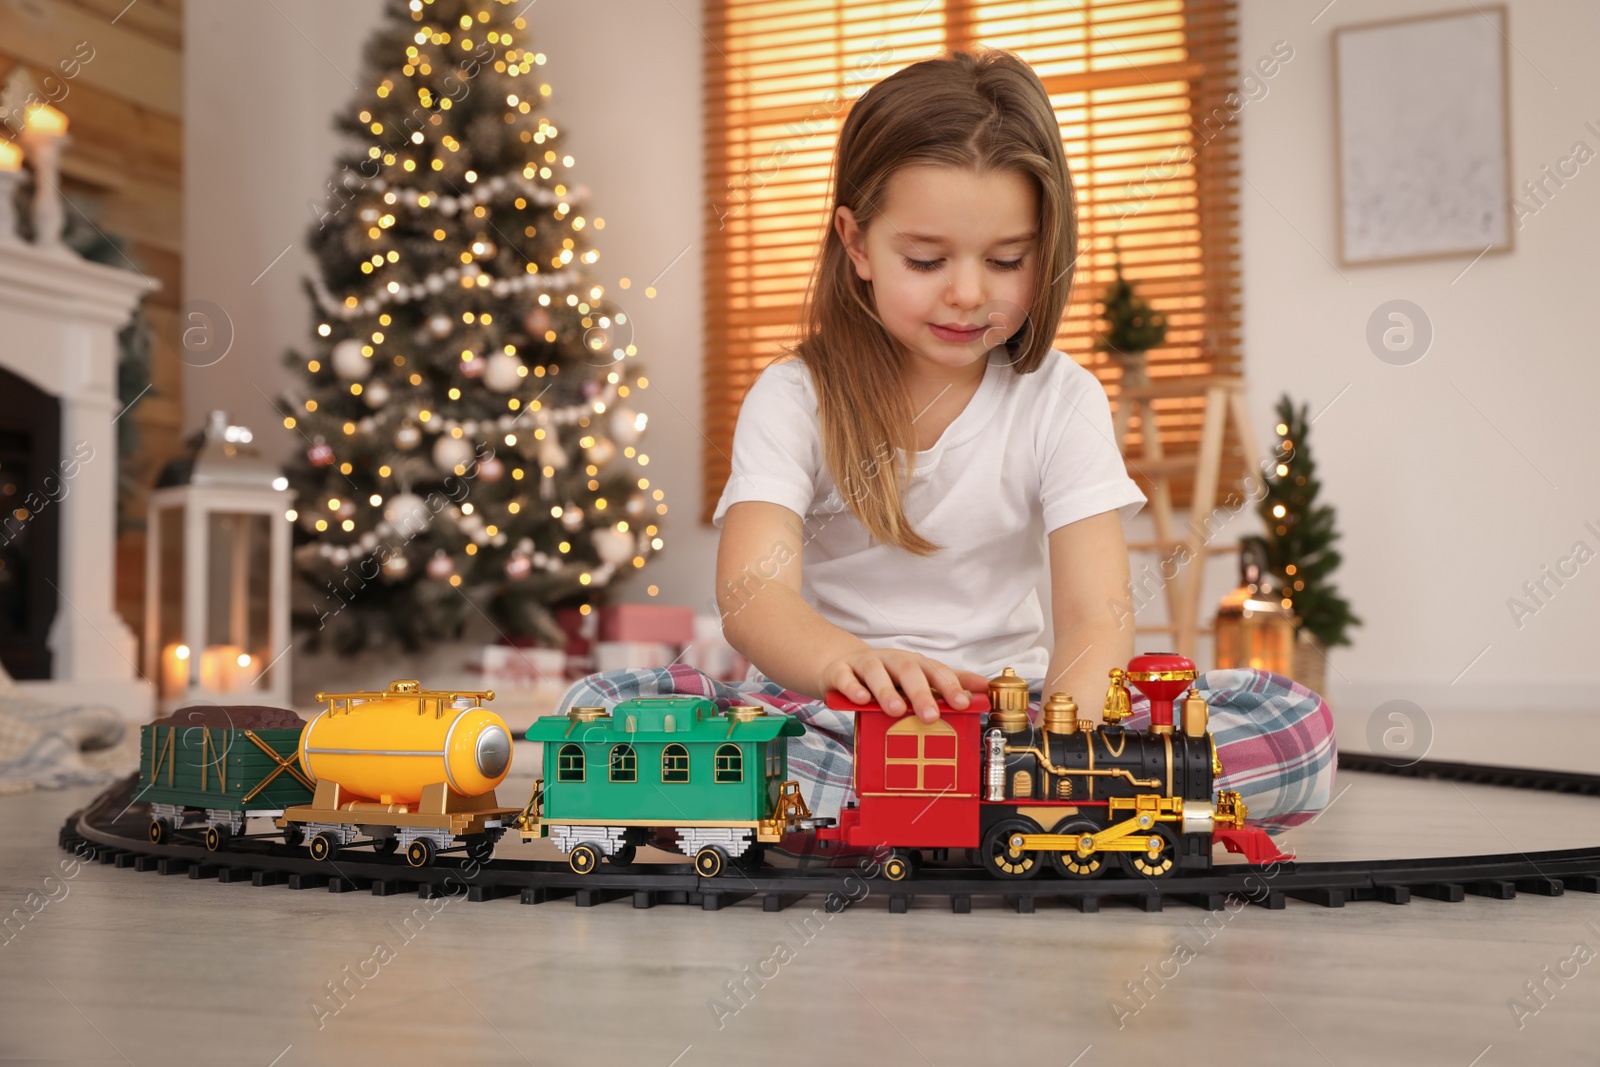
x=777 y=455
x=1081 y=470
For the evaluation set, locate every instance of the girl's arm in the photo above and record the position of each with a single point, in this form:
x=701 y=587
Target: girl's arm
x=765 y=618
x=1091 y=608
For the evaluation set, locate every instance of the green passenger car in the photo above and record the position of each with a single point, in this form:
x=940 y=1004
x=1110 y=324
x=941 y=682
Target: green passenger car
x=718 y=781
x=217 y=777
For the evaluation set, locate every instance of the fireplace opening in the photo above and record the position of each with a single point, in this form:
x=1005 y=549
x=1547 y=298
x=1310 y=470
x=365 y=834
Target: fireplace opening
x=32 y=485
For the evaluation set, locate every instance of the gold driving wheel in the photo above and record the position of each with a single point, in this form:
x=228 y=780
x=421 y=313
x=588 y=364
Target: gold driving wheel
x=1159 y=857
x=1083 y=861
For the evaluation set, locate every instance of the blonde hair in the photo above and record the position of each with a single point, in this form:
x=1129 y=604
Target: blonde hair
x=984 y=111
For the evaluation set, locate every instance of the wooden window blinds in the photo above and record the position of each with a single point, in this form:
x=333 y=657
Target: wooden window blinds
x=1139 y=87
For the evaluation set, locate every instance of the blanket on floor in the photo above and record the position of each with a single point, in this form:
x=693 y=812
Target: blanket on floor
x=50 y=746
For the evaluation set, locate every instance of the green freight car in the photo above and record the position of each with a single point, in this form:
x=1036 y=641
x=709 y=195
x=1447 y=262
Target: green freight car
x=216 y=767
x=674 y=771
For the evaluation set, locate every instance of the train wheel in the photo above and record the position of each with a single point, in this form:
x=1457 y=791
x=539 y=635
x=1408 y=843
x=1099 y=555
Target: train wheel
x=1160 y=856
x=1002 y=858
x=294 y=835
x=709 y=861
x=160 y=830
x=480 y=848
x=1077 y=863
x=217 y=838
x=386 y=846
x=324 y=847
x=420 y=852
x=622 y=858
x=583 y=859
x=896 y=868
x=751 y=859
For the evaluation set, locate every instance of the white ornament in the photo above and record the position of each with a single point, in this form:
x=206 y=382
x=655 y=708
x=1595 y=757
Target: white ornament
x=451 y=452
x=612 y=545
x=503 y=373
x=626 y=426
x=551 y=454
x=348 y=361
x=376 y=395
x=407 y=513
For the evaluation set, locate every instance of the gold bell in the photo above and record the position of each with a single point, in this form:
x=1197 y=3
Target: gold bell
x=1119 y=702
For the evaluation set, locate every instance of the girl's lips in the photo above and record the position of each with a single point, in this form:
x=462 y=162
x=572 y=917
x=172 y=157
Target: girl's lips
x=956 y=335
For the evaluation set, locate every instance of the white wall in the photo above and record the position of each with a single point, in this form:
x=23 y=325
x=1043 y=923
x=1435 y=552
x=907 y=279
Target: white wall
x=1458 y=477
x=1441 y=472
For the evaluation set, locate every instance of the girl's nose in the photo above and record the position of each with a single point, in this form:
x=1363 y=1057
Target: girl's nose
x=966 y=286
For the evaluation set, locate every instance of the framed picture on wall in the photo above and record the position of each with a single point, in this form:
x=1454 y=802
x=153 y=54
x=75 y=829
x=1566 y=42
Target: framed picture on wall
x=1423 y=137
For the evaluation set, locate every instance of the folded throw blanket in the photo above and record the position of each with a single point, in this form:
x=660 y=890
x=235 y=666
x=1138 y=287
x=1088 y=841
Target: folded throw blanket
x=50 y=746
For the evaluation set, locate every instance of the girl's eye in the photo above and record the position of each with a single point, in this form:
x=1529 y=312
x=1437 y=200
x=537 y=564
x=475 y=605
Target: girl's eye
x=930 y=264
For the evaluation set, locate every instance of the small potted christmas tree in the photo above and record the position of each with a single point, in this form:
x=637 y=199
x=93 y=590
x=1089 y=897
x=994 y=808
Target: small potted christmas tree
x=1133 y=327
x=1299 y=549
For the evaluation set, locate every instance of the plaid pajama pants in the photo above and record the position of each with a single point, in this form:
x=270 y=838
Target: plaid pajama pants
x=1274 y=736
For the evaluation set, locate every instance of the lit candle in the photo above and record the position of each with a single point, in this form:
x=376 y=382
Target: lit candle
x=246 y=671
x=174 y=669
x=218 y=666
x=44 y=119
x=10 y=156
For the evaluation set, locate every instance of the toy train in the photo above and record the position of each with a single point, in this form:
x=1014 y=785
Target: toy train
x=405 y=769
x=415 y=770
x=1065 y=793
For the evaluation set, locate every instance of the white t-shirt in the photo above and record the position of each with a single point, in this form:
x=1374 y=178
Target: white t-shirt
x=1028 y=454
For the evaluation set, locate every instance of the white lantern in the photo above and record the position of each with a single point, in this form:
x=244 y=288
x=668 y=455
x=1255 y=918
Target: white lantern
x=217 y=575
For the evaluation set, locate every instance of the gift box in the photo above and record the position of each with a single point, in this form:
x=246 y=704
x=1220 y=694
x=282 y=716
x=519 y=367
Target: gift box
x=633 y=655
x=581 y=630
x=503 y=666
x=663 y=623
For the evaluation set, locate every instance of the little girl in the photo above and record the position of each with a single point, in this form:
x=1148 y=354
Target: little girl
x=901 y=489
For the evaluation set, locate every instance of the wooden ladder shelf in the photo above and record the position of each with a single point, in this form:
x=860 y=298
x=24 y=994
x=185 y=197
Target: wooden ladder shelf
x=1225 y=397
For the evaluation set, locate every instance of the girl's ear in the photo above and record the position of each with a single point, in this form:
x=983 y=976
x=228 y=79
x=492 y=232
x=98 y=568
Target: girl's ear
x=854 y=241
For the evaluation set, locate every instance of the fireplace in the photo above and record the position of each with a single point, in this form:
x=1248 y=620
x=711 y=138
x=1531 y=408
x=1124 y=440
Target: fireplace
x=60 y=634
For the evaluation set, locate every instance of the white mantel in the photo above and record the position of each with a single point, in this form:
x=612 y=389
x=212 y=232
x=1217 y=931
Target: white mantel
x=59 y=319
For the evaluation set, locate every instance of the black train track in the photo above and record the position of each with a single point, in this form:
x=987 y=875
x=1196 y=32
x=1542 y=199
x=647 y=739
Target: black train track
x=112 y=830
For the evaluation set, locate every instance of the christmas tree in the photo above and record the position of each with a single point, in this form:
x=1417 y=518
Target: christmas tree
x=468 y=451
x=1133 y=327
x=1300 y=534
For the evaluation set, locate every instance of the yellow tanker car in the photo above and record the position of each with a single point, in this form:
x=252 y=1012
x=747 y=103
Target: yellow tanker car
x=406 y=768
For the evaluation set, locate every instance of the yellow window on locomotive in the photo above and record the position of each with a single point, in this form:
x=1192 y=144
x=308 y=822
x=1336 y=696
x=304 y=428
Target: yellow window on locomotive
x=920 y=756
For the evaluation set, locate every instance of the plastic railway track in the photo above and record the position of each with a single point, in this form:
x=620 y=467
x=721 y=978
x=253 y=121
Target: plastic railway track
x=112 y=829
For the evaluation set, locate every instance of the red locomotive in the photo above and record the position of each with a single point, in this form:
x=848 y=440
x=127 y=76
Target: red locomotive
x=1065 y=793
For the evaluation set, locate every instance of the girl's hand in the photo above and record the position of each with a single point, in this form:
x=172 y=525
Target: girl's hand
x=873 y=674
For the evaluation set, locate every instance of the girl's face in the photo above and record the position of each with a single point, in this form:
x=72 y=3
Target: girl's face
x=952 y=258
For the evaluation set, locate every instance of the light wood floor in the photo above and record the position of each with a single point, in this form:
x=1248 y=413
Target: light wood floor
x=121 y=967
